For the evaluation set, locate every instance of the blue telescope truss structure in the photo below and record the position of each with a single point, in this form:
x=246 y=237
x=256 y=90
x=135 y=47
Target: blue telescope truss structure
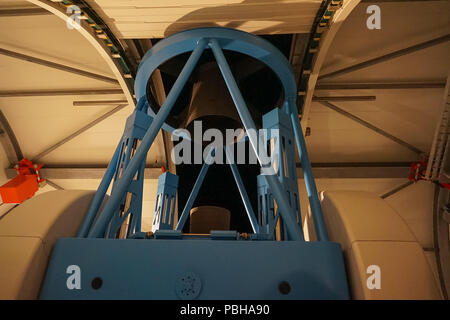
x=119 y=261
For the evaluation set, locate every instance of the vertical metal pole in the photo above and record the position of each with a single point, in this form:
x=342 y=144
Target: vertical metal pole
x=100 y=194
x=149 y=137
x=242 y=191
x=316 y=209
x=135 y=225
x=274 y=184
x=274 y=225
x=194 y=192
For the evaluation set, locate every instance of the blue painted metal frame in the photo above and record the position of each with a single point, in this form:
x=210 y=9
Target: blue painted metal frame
x=198 y=184
x=195 y=191
x=100 y=194
x=124 y=181
x=225 y=269
x=314 y=270
x=218 y=39
x=267 y=215
x=166 y=195
x=249 y=125
x=131 y=203
x=242 y=191
x=279 y=135
x=228 y=39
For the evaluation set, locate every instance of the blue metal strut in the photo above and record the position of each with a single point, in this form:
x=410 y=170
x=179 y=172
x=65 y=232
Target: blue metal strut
x=130 y=171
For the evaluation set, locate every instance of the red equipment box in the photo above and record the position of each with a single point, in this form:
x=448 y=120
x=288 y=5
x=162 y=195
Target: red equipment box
x=19 y=189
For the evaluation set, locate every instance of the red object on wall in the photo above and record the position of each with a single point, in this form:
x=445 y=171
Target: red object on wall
x=23 y=186
x=26 y=167
x=19 y=189
x=417 y=170
x=445 y=185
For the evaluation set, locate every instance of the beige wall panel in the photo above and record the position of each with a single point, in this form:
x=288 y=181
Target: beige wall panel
x=18 y=279
x=141 y=19
x=23 y=75
x=47 y=37
x=415 y=205
x=15 y=4
x=43 y=216
x=148 y=204
x=57 y=120
x=27 y=235
x=372 y=233
x=377 y=186
x=362 y=216
x=431 y=258
x=402 y=25
x=334 y=136
x=416 y=66
x=405 y=272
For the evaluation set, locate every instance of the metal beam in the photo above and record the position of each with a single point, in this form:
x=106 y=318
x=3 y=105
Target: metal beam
x=98 y=103
x=157 y=83
x=6 y=208
x=23 y=12
x=387 y=57
x=440 y=237
x=358 y=170
x=57 y=66
x=9 y=141
x=320 y=171
x=396 y=189
x=298 y=47
x=50 y=172
x=54 y=185
x=372 y=127
x=345 y=98
x=440 y=146
x=78 y=132
x=49 y=93
x=388 y=85
x=93 y=38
